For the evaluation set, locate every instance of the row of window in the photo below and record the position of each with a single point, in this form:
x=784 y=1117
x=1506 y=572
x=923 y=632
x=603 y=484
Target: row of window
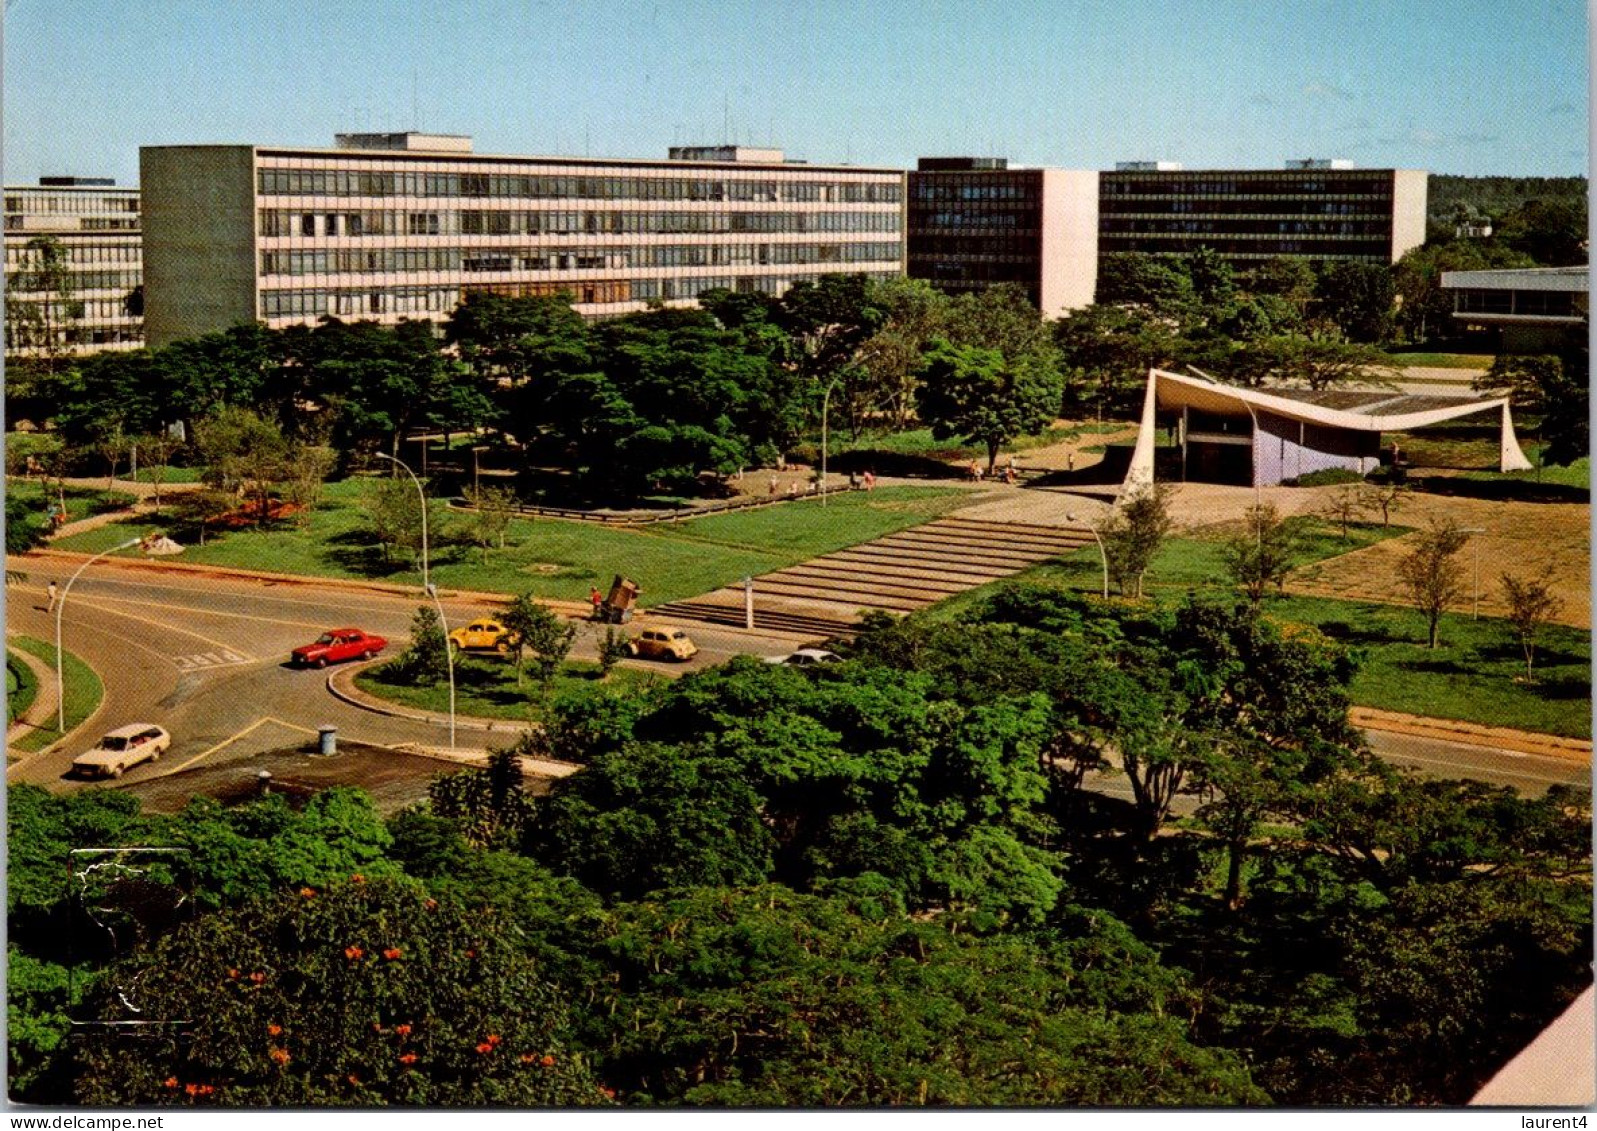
x=1264 y=208
x=31 y=281
x=512 y=186
x=276 y=222
x=46 y=202
x=1544 y=303
x=937 y=192
x=350 y=303
x=78 y=254
x=987 y=221
x=967 y=245
x=1242 y=228
x=1251 y=248
x=413 y=259
x=80 y=310
x=1269 y=184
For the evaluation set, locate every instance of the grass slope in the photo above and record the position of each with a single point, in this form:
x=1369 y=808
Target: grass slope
x=83 y=691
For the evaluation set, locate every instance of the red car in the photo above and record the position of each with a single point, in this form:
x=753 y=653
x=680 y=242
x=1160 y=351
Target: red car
x=335 y=645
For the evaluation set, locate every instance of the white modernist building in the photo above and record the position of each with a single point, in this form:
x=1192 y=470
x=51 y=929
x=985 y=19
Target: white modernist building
x=1228 y=433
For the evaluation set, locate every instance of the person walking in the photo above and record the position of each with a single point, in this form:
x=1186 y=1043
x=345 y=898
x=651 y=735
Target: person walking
x=51 y=590
x=596 y=599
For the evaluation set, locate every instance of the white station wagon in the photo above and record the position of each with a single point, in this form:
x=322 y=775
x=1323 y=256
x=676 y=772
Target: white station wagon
x=121 y=748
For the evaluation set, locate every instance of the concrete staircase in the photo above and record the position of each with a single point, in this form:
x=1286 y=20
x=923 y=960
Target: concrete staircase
x=899 y=573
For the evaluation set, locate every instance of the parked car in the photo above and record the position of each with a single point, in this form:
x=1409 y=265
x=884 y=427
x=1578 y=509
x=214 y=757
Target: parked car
x=484 y=635
x=336 y=645
x=805 y=657
x=122 y=748
x=662 y=644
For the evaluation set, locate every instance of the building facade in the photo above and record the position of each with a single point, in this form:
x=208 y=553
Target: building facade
x=1314 y=209
x=976 y=223
x=394 y=226
x=74 y=275
x=1527 y=310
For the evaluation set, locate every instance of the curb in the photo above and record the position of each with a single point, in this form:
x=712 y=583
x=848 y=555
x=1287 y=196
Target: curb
x=565 y=608
x=341 y=686
x=1473 y=734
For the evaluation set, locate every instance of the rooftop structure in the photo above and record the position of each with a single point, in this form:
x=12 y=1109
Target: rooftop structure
x=1262 y=437
x=396 y=226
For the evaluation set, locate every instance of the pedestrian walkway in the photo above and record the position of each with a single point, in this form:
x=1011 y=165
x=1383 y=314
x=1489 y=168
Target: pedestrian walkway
x=899 y=573
x=42 y=711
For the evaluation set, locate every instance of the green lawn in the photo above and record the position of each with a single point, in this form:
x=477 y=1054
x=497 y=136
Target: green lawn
x=561 y=560
x=171 y=474
x=1428 y=360
x=919 y=441
x=487 y=688
x=83 y=691
x=81 y=501
x=22 y=687
x=1474 y=677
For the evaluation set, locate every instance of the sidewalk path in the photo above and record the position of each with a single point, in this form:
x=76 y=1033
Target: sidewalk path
x=41 y=712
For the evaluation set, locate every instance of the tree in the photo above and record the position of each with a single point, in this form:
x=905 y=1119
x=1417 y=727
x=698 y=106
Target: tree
x=1358 y=299
x=537 y=629
x=1431 y=572
x=41 y=307
x=612 y=650
x=1344 y=507
x=979 y=394
x=1135 y=531
x=492 y=510
x=156 y=448
x=203 y=507
x=1554 y=388
x=1261 y=554
x=1550 y=231
x=425 y=661
x=489 y=806
x=915 y=313
x=24 y=530
x=305 y=470
x=1531 y=605
x=243 y=452
x=365 y=992
x=1317 y=360
x=393 y=514
x=1388 y=498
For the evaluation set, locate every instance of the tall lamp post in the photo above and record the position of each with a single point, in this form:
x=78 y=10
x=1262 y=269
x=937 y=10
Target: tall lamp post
x=1475 y=567
x=1103 y=555
x=826 y=400
x=449 y=658
x=426 y=581
x=60 y=607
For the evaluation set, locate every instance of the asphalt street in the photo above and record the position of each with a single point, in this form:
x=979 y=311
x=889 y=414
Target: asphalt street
x=205 y=656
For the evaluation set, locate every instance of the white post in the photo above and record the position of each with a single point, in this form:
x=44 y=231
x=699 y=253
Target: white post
x=826 y=400
x=1103 y=555
x=60 y=606
x=422 y=495
x=449 y=659
x=748 y=603
x=1475 y=566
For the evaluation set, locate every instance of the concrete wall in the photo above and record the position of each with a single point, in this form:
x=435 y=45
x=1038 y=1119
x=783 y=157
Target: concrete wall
x=199 y=239
x=1069 y=240
x=1409 y=191
x=1286 y=449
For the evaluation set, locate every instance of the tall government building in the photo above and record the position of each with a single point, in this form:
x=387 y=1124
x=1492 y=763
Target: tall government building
x=405 y=225
x=1317 y=209
x=90 y=298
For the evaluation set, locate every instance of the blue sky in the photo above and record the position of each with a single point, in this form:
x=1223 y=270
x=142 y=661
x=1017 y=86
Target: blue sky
x=1453 y=86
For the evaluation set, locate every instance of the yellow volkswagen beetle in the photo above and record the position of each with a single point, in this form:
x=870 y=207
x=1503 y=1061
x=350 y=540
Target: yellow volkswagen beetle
x=483 y=635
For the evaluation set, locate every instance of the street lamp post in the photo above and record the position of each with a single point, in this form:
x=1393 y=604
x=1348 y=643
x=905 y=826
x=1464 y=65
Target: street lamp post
x=426 y=581
x=1475 y=567
x=449 y=659
x=826 y=400
x=1103 y=555
x=60 y=606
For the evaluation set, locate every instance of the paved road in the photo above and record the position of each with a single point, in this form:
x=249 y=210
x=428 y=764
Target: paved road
x=205 y=658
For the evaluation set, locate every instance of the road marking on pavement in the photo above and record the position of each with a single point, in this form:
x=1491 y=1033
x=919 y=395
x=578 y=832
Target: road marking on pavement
x=100 y=603
x=228 y=613
x=195 y=662
x=228 y=741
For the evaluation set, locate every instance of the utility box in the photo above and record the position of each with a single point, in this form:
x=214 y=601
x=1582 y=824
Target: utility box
x=617 y=607
x=327 y=739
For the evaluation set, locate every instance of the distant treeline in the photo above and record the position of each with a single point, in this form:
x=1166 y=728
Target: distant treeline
x=1496 y=196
